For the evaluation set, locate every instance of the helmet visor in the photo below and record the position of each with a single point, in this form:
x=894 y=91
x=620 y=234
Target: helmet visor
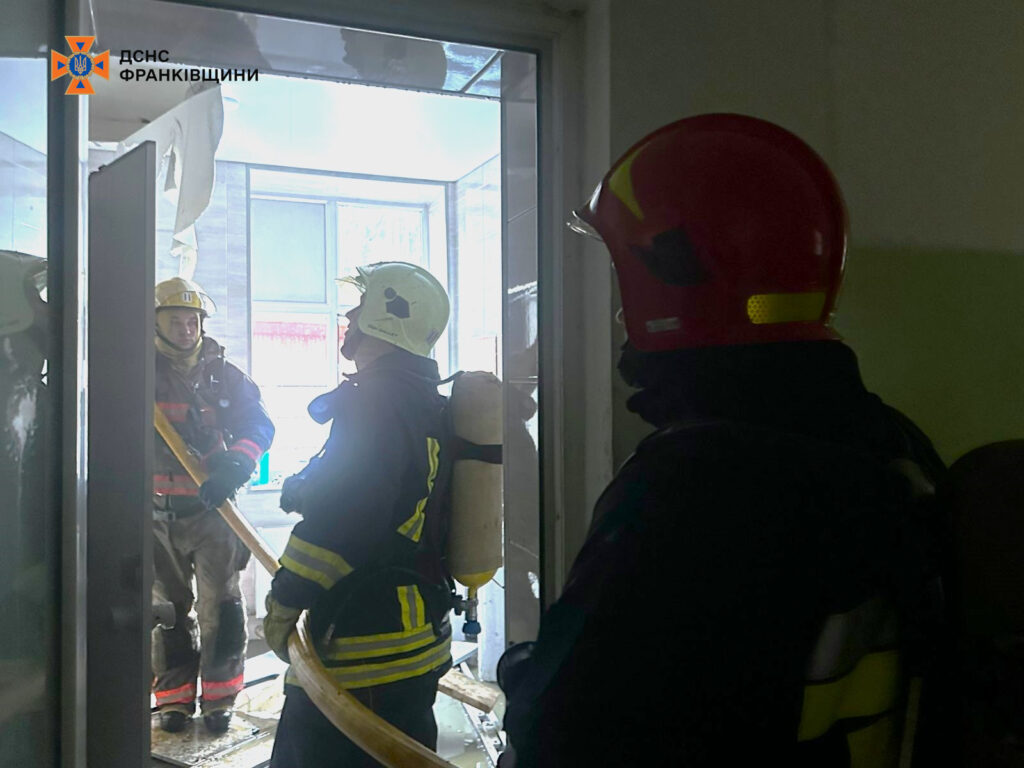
x=196 y=300
x=581 y=218
x=351 y=289
x=578 y=224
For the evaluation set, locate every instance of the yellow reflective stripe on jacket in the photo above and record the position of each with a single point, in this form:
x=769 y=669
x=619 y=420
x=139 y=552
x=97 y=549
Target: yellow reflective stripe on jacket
x=413 y=527
x=315 y=563
x=363 y=675
x=410 y=602
x=876 y=745
x=369 y=646
x=870 y=688
x=847 y=637
x=853 y=682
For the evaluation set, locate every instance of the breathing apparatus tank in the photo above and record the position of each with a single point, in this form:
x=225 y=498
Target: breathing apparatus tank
x=474 y=542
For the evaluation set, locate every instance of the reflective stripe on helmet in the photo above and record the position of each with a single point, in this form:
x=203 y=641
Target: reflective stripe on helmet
x=179 y=293
x=620 y=182
x=766 y=308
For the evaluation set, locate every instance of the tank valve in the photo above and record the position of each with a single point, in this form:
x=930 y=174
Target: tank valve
x=468 y=606
x=471 y=627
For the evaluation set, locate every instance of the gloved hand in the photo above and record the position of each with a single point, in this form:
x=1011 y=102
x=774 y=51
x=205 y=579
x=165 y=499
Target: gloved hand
x=291 y=493
x=278 y=625
x=228 y=472
x=294 y=488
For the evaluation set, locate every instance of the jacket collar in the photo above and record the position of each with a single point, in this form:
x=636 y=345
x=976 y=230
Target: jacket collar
x=812 y=388
x=401 y=362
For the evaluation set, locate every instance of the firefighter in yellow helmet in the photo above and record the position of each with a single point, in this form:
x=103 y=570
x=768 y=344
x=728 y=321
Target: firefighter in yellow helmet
x=755 y=579
x=218 y=411
x=366 y=558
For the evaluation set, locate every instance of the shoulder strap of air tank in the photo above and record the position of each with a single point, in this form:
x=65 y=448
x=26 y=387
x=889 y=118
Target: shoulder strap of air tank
x=459 y=447
x=438 y=507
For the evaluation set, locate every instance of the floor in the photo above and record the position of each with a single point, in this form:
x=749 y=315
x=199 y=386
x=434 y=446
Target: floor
x=249 y=741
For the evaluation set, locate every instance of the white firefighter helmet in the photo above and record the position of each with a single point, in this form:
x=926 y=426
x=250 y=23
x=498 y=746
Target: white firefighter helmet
x=402 y=304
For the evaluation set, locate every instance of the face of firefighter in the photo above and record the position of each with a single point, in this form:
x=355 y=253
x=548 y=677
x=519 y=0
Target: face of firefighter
x=353 y=336
x=360 y=348
x=181 y=327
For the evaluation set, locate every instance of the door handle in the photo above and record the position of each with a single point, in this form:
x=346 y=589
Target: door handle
x=131 y=572
x=124 y=617
x=127 y=616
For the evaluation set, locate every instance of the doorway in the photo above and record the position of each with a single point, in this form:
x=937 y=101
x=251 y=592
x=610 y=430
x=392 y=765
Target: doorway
x=294 y=201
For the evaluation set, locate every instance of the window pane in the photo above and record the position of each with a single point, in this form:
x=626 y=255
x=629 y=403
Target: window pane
x=372 y=233
x=291 y=364
x=290 y=349
x=297 y=437
x=29 y=512
x=288 y=256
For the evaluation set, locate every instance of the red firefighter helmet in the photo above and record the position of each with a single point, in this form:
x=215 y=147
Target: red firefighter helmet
x=724 y=229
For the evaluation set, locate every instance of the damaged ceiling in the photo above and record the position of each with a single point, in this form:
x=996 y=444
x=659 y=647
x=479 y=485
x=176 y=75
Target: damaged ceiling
x=272 y=46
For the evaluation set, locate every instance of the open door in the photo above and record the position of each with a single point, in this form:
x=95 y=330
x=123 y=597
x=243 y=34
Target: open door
x=122 y=244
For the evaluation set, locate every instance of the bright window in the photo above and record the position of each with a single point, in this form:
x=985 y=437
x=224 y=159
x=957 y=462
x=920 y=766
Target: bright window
x=288 y=252
x=369 y=233
x=292 y=362
x=305 y=230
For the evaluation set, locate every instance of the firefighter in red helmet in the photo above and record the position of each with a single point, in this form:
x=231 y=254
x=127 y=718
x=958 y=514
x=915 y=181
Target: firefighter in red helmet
x=738 y=598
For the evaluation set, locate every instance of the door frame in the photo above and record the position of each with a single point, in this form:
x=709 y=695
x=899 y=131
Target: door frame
x=121 y=374
x=569 y=40
x=573 y=84
x=67 y=120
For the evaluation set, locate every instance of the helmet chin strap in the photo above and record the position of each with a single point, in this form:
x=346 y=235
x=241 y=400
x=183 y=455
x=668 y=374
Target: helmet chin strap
x=353 y=343
x=180 y=357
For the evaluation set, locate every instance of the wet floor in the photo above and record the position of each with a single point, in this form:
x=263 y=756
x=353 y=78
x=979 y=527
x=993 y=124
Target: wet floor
x=249 y=740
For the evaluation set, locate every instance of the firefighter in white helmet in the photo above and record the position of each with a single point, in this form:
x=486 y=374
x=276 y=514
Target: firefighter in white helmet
x=367 y=556
x=218 y=411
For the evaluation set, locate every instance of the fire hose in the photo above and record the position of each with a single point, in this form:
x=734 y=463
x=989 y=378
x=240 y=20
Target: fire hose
x=367 y=730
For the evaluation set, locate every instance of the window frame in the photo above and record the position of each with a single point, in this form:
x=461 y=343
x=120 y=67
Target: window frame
x=437 y=262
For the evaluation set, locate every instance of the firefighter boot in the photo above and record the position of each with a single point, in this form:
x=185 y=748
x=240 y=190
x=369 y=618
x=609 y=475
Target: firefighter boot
x=217 y=721
x=173 y=720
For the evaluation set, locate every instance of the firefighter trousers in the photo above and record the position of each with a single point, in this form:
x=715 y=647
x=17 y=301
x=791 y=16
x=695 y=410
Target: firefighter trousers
x=208 y=636
x=307 y=739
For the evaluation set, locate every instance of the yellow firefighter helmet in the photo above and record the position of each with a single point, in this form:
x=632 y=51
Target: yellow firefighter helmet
x=179 y=293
